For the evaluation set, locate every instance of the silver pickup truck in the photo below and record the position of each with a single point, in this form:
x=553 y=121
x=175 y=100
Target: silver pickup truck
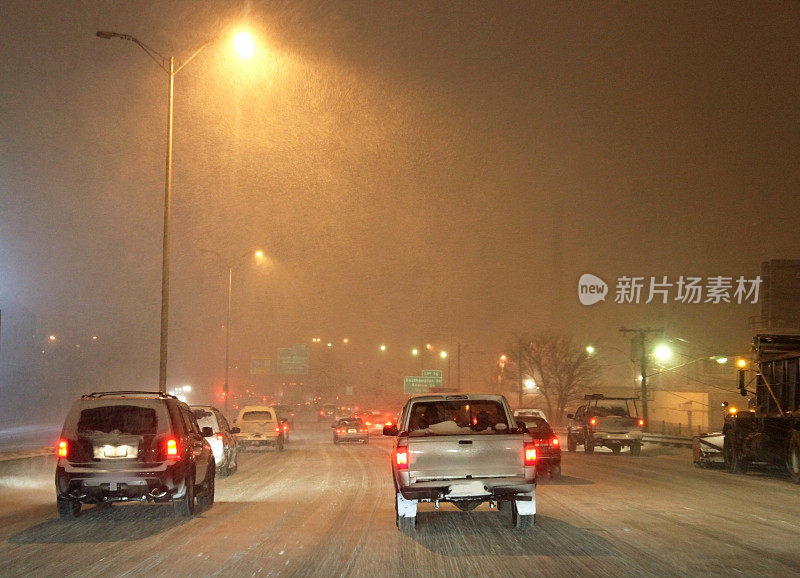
x=464 y=449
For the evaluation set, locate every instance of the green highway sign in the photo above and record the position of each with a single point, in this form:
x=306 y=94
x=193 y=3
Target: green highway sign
x=412 y=388
x=432 y=373
x=424 y=380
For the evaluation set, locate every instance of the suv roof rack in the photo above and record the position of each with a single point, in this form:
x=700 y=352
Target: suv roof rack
x=160 y=394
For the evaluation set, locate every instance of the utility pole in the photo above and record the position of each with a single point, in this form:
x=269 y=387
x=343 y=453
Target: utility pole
x=642 y=335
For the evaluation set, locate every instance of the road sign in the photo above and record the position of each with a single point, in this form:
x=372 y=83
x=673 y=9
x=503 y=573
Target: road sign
x=424 y=380
x=414 y=388
x=432 y=373
x=260 y=366
x=293 y=360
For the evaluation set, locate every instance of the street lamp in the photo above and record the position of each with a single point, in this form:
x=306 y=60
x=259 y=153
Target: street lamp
x=168 y=66
x=229 y=265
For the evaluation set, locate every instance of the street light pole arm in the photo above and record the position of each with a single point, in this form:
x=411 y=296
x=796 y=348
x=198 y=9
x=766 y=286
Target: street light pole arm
x=157 y=57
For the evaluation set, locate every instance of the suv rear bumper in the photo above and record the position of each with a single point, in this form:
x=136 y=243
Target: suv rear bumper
x=91 y=486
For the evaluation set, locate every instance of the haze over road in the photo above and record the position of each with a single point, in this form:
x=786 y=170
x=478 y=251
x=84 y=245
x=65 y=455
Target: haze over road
x=324 y=510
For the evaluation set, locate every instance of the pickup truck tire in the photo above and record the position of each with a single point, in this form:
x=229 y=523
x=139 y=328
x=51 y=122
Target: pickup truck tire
x=572 y=445
x=68 y=509
x=636 y=448
x=555 y=472
x=521 y=520
x=616 y=448
x=588 y=445
x=793 y=457
x=405 y=524
x=280 y=444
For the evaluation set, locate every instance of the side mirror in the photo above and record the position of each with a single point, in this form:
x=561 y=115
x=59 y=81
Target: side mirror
x=235 y=430
x=570 y=416
x=390 y=430
x=207 y=432
x=742 y=388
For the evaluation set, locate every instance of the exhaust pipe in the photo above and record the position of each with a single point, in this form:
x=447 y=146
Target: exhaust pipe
x=157 y=493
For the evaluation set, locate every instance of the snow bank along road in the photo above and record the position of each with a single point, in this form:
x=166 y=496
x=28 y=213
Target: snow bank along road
x=324 y=510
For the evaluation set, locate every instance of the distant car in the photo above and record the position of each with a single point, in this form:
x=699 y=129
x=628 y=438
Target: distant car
x=612 y=422
x=286 y=419
x=375 y=422
x=259 y=426
x=133 y=446
x=223 y=441
x=344 y=411
x=527 y=412
x=548 y=447
x=326 y=412
x=350 y=429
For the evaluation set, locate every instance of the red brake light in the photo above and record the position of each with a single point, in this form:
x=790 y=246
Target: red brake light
x=363 y=430
x=220 y=436
x=401 y=458
x=593 y=421
x=554 y=441
x=530 y=454
x=340 y=430
x=62 y=448
x=641 y=423
x=278 y=429
x=172 y=449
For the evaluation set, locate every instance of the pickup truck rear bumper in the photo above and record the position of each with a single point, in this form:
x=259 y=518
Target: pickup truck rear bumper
x=485 y=490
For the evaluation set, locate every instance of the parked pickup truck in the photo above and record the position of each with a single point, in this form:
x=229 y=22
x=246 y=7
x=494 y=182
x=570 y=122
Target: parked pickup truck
x=464 y=449
x=612 y=422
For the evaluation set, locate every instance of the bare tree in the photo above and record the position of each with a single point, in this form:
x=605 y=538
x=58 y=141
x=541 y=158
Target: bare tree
x=561 y=369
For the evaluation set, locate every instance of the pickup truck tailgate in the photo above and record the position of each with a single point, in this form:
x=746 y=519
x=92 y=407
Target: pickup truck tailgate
x=465 y=456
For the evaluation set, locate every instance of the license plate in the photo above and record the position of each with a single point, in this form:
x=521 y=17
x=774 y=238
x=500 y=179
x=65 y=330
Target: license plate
x=115 y=451
x=351 y=431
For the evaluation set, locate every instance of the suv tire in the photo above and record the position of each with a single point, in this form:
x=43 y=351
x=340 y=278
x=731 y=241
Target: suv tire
x=206 y=499
x=636 y=448
x=185 y=506
x=68 y=509
x=281 y=443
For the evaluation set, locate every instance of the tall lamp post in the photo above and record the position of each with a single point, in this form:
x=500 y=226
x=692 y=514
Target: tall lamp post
x=244 y=47
x=229 y=265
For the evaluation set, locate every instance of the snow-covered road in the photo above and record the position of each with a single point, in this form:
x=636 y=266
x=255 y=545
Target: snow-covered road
x=324 y=510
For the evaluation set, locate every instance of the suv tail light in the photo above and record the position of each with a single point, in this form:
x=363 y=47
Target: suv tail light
x=401 y=457
x=641 y=423
x=63 y=448
x=554 y=441
x=220 y=436
x=172 y=449
x=530 y=454
x=593 y=421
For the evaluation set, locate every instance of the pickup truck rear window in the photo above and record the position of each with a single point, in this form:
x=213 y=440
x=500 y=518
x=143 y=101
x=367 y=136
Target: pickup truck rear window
x=258 y=416
x=457 y=417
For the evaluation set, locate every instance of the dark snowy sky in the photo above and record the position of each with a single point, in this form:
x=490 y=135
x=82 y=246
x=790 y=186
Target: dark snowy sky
x=437 y=171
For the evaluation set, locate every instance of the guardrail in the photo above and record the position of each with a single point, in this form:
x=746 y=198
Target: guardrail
x=666 y=440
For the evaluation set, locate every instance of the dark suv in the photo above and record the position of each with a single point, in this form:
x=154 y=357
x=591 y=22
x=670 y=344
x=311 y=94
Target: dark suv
x=120 y=446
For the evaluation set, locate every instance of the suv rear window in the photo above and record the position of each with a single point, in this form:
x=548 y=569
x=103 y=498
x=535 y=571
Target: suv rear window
x=125 y=419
